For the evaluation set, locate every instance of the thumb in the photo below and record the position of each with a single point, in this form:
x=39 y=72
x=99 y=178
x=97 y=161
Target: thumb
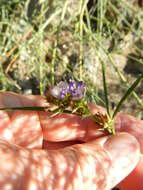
x=135 y=179
x=108 y=160
x=100 y=164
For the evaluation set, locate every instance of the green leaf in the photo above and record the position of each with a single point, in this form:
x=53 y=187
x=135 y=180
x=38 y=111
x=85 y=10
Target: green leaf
x=127 y=94
x=25 y=108
x=105 y=89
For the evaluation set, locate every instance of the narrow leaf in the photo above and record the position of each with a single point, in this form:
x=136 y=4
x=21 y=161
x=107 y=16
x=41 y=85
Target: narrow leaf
x=26 y=108
x=105 y=90
x=127 y=94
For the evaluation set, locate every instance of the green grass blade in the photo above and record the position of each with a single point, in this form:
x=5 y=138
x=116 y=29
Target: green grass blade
x=26 y=108
x=128 y=92
x=105 y=89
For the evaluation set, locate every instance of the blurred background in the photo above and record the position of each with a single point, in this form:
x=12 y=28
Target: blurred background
x=45 y=41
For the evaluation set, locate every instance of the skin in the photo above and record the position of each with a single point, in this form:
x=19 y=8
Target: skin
x=66 y=152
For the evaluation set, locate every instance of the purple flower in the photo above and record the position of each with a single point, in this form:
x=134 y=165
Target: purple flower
x=75 y=90
x=72 y=86
x=60 y=90
x=63 y=93
x=80 y=85
x=78 y=92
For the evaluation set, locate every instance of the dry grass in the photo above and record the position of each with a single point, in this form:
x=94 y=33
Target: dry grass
x=42 y=42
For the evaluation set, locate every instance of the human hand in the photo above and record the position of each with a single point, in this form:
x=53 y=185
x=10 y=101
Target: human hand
x=73 y=156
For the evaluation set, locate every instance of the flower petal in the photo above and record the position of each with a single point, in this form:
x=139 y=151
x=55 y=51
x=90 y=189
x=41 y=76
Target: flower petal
x=55 y=91
x=72 y=86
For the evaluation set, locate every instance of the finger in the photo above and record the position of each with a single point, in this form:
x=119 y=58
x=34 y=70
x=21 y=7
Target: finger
x=5 y=127
x=58 y=145
x=135 y=179
x=125 y=123
x=130 y=124
x=24 y=126
x=133 y=126
x=10 y=99
x=67 y=127
x=119 y=147
x=95 y=165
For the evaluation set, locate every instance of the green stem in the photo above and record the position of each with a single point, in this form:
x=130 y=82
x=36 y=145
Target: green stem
x=56 y=42
x=105 y=89
x=81 y=38
x=25 y=108
x=100 y=17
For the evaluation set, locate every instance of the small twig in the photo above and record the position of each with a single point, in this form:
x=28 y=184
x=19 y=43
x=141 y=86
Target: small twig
x=11 y=63
x=50 y=19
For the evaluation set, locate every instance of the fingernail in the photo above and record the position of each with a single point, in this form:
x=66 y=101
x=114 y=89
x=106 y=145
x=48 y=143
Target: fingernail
x=123 y=149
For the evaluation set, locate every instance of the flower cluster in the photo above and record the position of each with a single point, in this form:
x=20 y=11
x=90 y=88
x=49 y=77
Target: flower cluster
x=68 y=97
x=75 y=90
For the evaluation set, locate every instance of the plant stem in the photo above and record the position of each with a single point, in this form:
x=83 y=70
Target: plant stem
x=100 y=17
x=81 y=38
x=105 y=89
x=41 y=60
x=25 y=108
x=56 y=42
